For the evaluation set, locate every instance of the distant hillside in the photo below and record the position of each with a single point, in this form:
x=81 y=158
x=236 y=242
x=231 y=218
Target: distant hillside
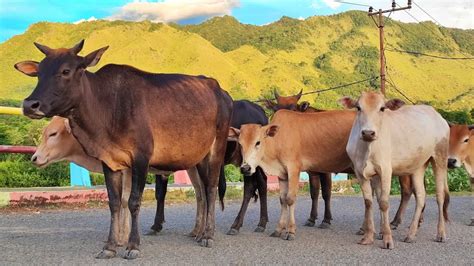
x=250 y=61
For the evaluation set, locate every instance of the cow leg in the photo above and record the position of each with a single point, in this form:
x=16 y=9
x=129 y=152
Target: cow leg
x=314 y=186
x=139 y=172
x=200 y=208
x=161 y=185
x=293 y=180
x=113 y=181
x=442 y=193
x=420 y=195
x=262 y=192
x=282 y=223
x=249 y=192
x=326 y=185
x=124 y=211
x=383 y=200
x=368 y=225
x=407 y=189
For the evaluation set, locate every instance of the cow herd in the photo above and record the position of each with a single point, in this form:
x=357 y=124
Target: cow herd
x=125 y=122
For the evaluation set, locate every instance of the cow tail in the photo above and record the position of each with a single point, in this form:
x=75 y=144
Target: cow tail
x=221 y=189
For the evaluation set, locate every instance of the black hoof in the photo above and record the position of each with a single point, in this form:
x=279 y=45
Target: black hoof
x=259 y=229
x=361 y=232
x=325 y=225
x=472 y=223
x=309 y=223
x=409 y=240
x=379 y=236
x=276 y=234
x=131 y=254
x=441 y=239
x=207 y=243
x=106 y=254
x=233 y=232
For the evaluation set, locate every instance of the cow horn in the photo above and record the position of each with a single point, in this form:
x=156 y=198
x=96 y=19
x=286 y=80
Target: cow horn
x=276 y=94
x=78 y=47
x=43 y=48
x=299 y=94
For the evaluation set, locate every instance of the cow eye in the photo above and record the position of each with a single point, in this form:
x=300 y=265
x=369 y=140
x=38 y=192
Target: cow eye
x=382 y=108
x=66 y=72
x=258 y=143
x=466 y=140
x=53 y=134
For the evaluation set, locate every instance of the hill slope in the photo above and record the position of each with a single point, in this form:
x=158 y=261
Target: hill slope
x=249 y=61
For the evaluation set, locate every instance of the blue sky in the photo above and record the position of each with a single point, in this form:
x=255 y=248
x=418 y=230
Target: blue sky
x=17 y=15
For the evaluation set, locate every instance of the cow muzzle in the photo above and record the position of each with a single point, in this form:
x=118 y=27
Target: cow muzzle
x=246 y=170
x=31 y=108
x=368 y=135
x=39 y=161
x=453 y=163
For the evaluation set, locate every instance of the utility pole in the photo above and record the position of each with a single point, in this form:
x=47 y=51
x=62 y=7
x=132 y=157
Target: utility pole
x=381 y=25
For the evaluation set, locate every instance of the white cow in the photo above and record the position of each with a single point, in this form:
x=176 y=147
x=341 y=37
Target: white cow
x=388 y=139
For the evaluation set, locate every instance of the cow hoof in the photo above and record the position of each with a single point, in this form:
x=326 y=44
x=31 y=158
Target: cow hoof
x=409 y=239
x=259 y=229
x=192 y=234
x=325 y=225
x=388 y=244
x=361 y=232
x=233 y=232
x=131 y=254
x=441 y=239
x=379 y=236
x=106 y=254
x=366 y=241
x=472 y=222
x=276 y=234
x=151 y=232
x=207 y=243
x=309 y=223
x=289 y=236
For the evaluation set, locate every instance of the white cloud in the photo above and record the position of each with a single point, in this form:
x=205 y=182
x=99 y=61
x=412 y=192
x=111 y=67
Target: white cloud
x=453 y=13
x=301 y=18
x=85 y=20
x=173 y=10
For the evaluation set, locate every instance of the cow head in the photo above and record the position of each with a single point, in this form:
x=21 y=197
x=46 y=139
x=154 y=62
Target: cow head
x=371 y=108
x=252 y=138
x=60 y=80
x=287 y=102
x=57 y=143
x=460 y=137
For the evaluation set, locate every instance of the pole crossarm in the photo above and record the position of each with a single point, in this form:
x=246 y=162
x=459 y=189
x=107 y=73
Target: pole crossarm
x=17 y=149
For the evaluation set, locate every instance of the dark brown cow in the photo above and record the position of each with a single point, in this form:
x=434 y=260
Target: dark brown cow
x=131 y=119
x=315 y=179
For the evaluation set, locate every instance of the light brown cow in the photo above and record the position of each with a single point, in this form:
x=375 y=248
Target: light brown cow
x=388 y=139
x=58 y=144
x=294 y=142
x=461 y=150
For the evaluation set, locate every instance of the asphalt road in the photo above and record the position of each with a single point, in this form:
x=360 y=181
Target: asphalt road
x=75 y=236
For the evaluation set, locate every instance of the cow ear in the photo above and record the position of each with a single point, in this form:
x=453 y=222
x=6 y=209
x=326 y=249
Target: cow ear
x=304 y=106
x=347 y=102
x=234 y=134
x=394 y=104
x=29 y=68
x=271 y=131
x=78 y=47
x=93 y=58
x=67 y=125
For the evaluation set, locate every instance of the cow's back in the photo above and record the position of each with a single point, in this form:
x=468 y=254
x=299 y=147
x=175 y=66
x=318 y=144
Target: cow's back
x=316 y=140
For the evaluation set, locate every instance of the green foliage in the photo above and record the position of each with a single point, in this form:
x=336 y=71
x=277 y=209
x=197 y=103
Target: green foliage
x=323 y=62
x=463 y=38
x=423 y=37
x=17 y=171
x=232 y=173
x=458 y=117
x=367 y=52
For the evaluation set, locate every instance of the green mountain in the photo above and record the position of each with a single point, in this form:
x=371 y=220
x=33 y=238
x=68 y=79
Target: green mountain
x=288 y=55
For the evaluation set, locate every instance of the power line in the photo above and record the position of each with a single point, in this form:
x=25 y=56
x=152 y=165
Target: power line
x=429 y=55
x=350 y=3
x=424 y=11
x=330 y=88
